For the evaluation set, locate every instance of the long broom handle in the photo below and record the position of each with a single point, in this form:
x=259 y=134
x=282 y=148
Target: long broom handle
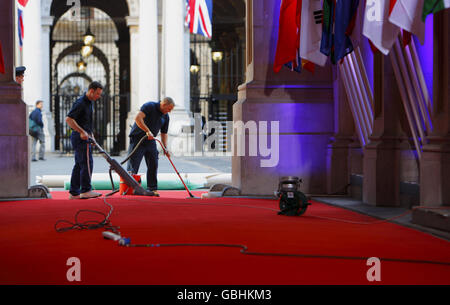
x=165 y=152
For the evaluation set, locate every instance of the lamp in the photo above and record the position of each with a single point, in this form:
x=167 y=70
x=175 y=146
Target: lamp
x=81 y=65
x=292 y=201
x=194 y=68
x=217 y=56
x=88 y=37
x=86 y=51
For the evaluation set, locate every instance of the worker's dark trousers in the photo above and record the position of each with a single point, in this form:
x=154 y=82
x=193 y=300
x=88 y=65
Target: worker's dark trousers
x=80 y=181
x=148 y=150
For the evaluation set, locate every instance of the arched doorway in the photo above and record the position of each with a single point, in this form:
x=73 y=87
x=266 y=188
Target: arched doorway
x=108 y=62
x=218 y=66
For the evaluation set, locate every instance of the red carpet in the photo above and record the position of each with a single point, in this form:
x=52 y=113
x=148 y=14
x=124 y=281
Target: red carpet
x=32 y=252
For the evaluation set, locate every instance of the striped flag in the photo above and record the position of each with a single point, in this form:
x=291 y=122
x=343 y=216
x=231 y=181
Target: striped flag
x=20 y=8
x=407 y=14
x=433 y=6
x=199 y=17
x=187 y=19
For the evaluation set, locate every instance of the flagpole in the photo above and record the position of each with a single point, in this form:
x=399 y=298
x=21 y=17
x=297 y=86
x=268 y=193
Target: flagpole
x=414 y=76
x=360 y=82
x=407 y=82
x=423 y=85
x=359 y=94
x=364 y=73
x=354 y=99
x=403 y=95
x=359 y=127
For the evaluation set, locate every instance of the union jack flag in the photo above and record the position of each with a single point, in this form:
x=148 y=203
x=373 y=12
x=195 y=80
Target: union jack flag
x=199 y=17
x=20 y=7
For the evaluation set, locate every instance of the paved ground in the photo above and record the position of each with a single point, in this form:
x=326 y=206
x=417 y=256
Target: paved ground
x=58 y=164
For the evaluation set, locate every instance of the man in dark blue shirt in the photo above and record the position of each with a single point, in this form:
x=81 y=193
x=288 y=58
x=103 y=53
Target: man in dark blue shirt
x=151 y=119
x=36 y=117
x=79 y=119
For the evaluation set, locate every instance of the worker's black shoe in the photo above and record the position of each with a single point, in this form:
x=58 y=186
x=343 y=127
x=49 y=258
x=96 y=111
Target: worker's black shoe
x=154 y=192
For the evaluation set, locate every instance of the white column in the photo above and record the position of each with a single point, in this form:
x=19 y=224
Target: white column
x=148 y=52
x=32 y=54
x=176 y=70
x=133 y=24
x=49 y=123
x=36 y=58
x=46 y=23
x=174 y=59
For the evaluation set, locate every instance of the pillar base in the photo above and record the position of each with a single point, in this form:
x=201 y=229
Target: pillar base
x=14 y=143
x=297 y=148
x=381 y=181
x=338 y=167
x=434 y=169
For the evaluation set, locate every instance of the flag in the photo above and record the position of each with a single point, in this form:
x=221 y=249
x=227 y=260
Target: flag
x=288 y=43
x=407 y=14
x=199 y=17
x=2 y=60
x=339 y=18
x=20 y=8
x=311 y=32
x=187 y=19
x=377 y=28
x=433 y=6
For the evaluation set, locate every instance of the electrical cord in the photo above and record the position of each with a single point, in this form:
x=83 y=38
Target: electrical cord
x=312 y=216
x=89 y=224
x=106 y=224
x=94 y=224
x=244 y=250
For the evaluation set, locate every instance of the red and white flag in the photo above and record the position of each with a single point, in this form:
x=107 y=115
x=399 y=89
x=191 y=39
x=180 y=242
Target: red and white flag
x=199 y=17
x=407 y=14
x=377 y=27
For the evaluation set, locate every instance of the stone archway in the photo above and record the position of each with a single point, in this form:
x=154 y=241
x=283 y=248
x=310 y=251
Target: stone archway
x=133 y=6
x=111 y=49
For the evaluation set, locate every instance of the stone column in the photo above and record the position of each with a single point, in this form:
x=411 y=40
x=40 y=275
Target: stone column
x=301 y=104
x=338 y=173
x=382 y=156
x=14 y=140
x=133 y=24
x=176 y=72
x=148 y=52
x=49 y=123
x=36 y=58
x=435 y=163
x=32 y=55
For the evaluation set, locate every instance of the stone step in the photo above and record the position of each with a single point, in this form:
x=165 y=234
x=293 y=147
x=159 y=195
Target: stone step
x=432 y=218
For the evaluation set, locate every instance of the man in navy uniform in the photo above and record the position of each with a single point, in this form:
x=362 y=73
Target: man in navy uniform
x=20 y=74
x=151 y=119
x=36 y=116
x=79 y=119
